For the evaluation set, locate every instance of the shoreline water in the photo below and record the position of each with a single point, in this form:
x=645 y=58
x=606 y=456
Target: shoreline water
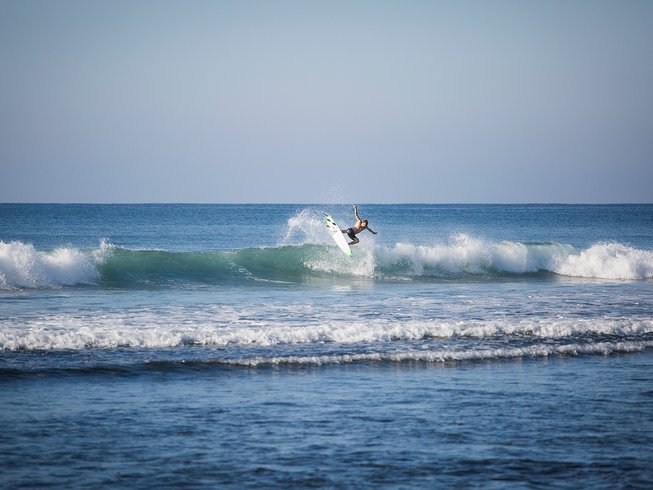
x=564 y=422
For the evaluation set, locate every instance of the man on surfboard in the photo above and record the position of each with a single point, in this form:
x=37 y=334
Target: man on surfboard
x=361 y=224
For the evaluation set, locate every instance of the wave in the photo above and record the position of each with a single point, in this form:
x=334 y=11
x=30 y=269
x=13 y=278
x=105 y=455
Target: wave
x=461 y=257
x=446 y=356
x=224 y=327
x=468 y=255
x=135 y=362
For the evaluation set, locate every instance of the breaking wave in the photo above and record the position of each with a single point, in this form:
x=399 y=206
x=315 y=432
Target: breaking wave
x=22 y=266
x=451 y=355
x=461 y=257
x=225 y=327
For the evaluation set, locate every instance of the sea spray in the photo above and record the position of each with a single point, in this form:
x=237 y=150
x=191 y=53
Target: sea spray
x=22 y=266
x=307 y=226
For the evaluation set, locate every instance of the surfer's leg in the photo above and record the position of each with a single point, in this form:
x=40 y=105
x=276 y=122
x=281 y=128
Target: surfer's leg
x=354 y=240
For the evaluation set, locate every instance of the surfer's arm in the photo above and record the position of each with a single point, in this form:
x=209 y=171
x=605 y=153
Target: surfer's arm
x=371 y=230
x=358 y=218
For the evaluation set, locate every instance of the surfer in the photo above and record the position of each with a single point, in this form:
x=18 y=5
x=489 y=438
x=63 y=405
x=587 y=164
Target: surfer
x=361 y=224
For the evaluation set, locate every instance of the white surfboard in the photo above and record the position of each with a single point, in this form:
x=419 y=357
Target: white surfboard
x=337 y=235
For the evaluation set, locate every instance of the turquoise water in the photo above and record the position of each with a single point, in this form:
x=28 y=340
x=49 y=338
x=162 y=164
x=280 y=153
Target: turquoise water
x=234 y=345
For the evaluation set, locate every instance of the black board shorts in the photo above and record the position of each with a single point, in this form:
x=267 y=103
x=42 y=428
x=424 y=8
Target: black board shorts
x=351 y=234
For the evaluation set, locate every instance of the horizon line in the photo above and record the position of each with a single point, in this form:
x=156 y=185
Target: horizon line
x=262 y=203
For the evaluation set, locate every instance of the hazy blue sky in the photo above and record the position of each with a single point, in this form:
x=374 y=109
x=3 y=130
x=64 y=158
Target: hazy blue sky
x=326 y=101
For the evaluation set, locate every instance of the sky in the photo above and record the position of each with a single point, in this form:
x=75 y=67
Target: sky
x=326 y=101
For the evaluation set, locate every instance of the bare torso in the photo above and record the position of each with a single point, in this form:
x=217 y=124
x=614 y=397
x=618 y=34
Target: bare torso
x=358 y=227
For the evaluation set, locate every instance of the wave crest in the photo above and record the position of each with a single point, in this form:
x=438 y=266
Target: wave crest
x=468 y=255
x=608 y=261
x=22 y=266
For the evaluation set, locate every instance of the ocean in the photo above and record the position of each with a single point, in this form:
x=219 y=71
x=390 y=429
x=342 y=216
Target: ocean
x=235 y=346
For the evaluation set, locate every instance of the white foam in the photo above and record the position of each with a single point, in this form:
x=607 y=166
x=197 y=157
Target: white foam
x=361 y=264
x=224 y=326
x=608 y=261
x=465 y=254
x=22 y=266
x=449 y=355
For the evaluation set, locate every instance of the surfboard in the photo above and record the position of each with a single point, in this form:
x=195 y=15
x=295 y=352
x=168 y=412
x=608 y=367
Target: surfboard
x=337 y=235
